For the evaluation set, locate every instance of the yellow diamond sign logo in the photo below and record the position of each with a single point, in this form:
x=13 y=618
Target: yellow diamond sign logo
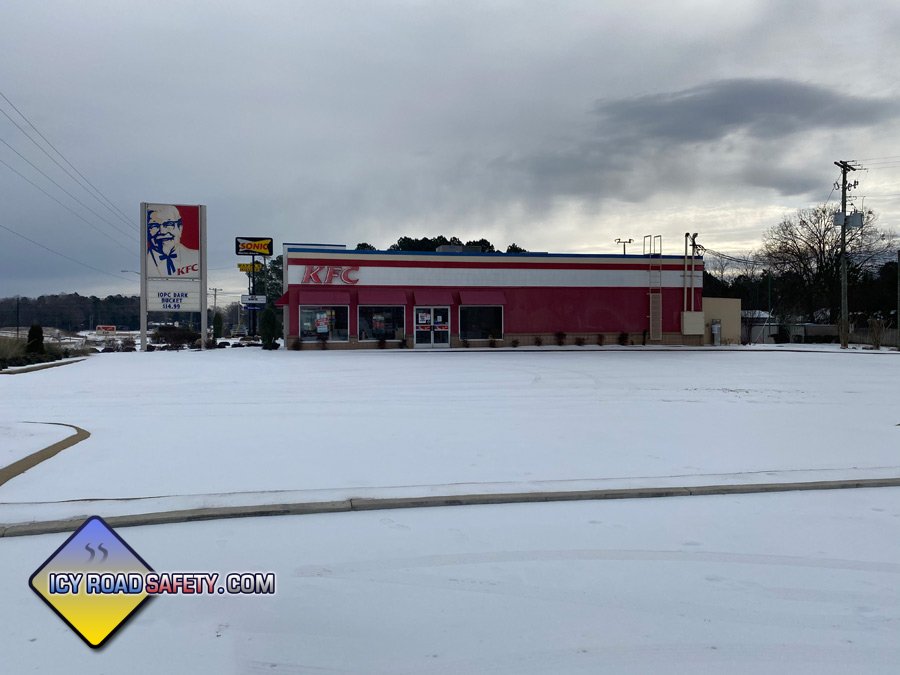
x=94 y=581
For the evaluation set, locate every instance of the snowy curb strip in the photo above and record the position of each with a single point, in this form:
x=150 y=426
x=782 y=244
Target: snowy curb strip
x=21 y=466
x=371 y=504
x=186 y=516
x=42 y=366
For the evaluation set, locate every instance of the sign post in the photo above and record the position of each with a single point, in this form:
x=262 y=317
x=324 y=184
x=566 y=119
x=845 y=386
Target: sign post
x=173 y=262
x=253 y=246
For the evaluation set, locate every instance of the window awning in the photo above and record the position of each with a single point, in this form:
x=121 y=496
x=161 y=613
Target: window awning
x=482 y=298
x=283 y=300
x=434 y=297
x=309 y=297
x=382 y=296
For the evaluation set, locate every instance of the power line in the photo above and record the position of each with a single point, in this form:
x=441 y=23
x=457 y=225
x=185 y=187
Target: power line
x=872 y=159
x=112 y=207
x=55 y=161
x=36 y=168
x=62 y=255
x=74 y=213
x=725 y=256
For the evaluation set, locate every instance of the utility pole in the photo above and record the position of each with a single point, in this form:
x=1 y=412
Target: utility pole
x=251 y=318
x=845 y=167
x=623 y=242
x=215 y=292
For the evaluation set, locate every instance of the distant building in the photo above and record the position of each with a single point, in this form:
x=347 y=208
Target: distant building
x=449 y=299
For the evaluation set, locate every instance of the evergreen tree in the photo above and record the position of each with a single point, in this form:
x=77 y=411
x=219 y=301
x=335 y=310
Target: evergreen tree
x=35 y=344
x=268 y=328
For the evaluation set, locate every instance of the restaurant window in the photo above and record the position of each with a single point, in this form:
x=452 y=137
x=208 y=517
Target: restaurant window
x=381 y=323
x=324 y=323
x=480 y=323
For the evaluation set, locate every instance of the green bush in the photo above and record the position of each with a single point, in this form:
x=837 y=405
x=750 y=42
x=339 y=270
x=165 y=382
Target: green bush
x=176 y=336
x=10 y=348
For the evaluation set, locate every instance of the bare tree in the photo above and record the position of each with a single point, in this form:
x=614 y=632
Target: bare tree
x=717 y=266
x=805 y=250
x=750 y=265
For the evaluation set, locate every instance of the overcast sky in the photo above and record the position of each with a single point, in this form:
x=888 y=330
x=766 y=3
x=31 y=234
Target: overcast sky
x=556 y=125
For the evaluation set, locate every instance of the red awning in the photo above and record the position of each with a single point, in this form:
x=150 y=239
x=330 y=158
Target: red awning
x=382 y=296
x=434 y=297
x=310 y=297
x=283 y=300
x=482 y=298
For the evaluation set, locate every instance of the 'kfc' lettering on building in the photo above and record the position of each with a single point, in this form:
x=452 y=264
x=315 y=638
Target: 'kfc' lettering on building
x=330 y=274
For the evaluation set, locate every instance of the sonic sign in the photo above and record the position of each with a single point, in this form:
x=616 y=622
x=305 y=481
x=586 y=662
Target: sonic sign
x=253 y=246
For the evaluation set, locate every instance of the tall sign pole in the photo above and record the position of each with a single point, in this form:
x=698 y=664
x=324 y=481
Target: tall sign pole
x=142 y=247
x=253 y=292
x=204 y=300
x=845 y=167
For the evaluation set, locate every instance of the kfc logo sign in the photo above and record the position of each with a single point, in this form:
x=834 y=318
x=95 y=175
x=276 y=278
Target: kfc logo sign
x=187 y=269
x=330 y=274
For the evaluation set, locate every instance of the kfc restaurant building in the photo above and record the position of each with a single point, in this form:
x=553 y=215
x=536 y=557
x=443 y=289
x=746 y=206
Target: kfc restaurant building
x=447 y=299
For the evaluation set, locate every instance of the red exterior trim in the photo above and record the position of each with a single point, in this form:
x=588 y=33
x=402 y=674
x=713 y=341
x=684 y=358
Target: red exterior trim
x=381 y=296
x=307 y=296
x=467 y=297
x=434 y=296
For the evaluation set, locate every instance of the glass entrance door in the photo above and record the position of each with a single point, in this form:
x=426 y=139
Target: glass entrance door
x=432 y=327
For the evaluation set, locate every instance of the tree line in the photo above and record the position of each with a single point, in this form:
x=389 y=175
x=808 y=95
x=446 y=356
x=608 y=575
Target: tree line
x=797 y=270
x=432 y=243
x=72 y=312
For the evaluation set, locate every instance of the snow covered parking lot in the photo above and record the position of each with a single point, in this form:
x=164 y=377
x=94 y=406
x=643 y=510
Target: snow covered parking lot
x=798 y=582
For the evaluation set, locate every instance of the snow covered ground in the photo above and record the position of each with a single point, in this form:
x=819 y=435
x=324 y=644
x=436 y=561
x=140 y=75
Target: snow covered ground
x=20 y=439
x=801 y=582
x=781 y=583
x=191 y=423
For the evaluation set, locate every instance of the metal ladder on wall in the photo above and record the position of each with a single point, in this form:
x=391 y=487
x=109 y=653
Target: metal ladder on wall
x=653 y=251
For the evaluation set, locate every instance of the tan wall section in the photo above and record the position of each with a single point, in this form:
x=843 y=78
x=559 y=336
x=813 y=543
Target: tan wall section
x=726 y=310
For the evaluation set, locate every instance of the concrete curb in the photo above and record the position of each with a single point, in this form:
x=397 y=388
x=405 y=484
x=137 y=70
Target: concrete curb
x=7 y=473
x=40 y=366
x=373 y=504
x=186 y=516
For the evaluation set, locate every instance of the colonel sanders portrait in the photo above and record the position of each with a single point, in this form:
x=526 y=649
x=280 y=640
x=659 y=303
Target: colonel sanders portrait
x=167 y=255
